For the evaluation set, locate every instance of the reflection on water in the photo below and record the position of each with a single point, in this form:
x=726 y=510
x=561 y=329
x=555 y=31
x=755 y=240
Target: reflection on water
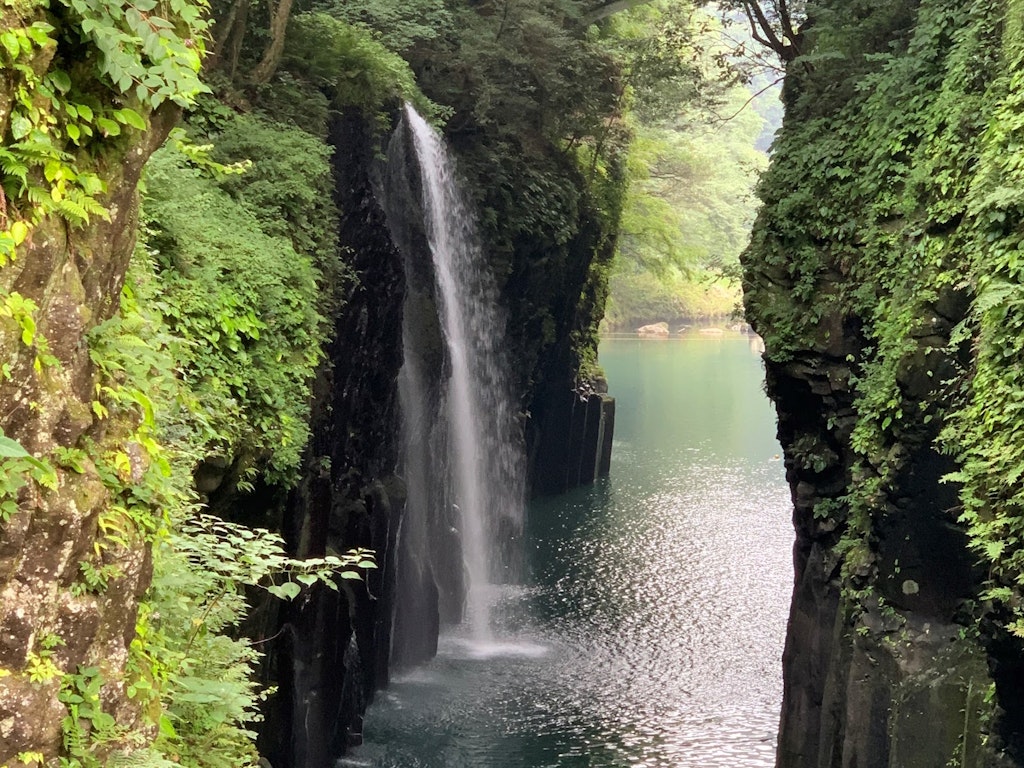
x=650 y=630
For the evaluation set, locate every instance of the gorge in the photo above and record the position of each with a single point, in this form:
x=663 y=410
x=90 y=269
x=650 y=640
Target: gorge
x=243 y=318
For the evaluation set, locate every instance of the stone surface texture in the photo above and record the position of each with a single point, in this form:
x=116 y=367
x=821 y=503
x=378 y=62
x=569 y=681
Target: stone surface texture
x=74 y=274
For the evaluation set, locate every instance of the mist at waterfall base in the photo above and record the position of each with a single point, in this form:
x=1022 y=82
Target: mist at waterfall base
x=648 y=630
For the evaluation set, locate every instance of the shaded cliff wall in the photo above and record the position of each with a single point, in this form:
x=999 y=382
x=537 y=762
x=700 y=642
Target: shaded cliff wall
x=881 y=273
x=556 y=290
x=572 y=415
x=333 y=651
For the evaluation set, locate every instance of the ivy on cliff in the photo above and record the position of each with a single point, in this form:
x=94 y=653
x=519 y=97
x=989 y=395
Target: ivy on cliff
x=188 y=672
x=894 y=205
x=985 y=432
x=81 y=82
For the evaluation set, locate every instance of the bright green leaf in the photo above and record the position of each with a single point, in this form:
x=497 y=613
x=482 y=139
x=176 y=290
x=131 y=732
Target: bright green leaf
x=60 y=80
x=9 y=40
x=11 y=449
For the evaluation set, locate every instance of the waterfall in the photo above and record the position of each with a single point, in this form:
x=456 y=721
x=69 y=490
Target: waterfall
x=462 y=451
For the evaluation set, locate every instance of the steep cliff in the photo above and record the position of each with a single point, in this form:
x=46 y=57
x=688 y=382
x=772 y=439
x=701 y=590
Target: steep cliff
x=76 y=133
x=330 y=650
x=883 y=275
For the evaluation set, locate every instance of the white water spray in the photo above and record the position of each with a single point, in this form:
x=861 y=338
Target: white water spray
x=484 y=458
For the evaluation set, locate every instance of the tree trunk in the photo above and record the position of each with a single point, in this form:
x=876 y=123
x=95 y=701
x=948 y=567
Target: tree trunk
x=272 y=55
x=228 y=43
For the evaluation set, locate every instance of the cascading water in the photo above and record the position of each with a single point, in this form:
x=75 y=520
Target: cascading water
x=469 y=419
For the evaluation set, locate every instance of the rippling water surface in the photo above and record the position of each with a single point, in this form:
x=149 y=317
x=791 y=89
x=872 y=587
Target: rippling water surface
x=650 y=629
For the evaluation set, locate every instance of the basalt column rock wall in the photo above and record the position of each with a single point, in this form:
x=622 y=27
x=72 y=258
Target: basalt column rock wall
x=871 y=276
x=332 y=649
x=572 y=415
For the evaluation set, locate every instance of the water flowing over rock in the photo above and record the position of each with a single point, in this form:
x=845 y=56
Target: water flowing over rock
x=382 y=471
x=462 y=447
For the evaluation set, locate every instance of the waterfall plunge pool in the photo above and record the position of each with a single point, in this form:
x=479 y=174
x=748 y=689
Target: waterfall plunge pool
x=649 y=629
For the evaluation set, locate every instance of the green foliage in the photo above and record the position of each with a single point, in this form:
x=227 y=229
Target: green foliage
x=192 y=679
x=535 y=103
x=287 y=186
x=142 y=55
x=292 y=101
x=183 y=657
x=531 y=72
x=39 y=175
x=985 y=432
x=673 y=56
x=135 y=357
x=212 y=351
x=916 y=111
x=87 y=728
x=351 y=64
x=41 y=667
x=19 y=315
x=639 y=297
x=397 y=24
x=140 y=49
x=18 y=469
x=689 y=202
x=245 y=304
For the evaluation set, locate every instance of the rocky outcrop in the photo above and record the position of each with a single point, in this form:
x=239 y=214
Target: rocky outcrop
x=571 y=414
x=654 y=329
x=898 y=653
x=880 y=669
x=577 y=440
x=74 y=275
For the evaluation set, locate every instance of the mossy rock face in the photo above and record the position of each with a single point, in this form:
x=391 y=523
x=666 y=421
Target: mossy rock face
x=929 y=696
x=883 y=275
x=74 y=275
x=940 y=708
x=892 y=691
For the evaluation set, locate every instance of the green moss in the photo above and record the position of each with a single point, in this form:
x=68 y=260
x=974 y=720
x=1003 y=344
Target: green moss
x=880 y=207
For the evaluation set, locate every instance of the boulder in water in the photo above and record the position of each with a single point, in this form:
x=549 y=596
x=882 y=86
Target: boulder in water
x=655 y=329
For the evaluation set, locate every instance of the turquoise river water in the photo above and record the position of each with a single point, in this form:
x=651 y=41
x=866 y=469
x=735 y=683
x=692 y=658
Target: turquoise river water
x=648 y=631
